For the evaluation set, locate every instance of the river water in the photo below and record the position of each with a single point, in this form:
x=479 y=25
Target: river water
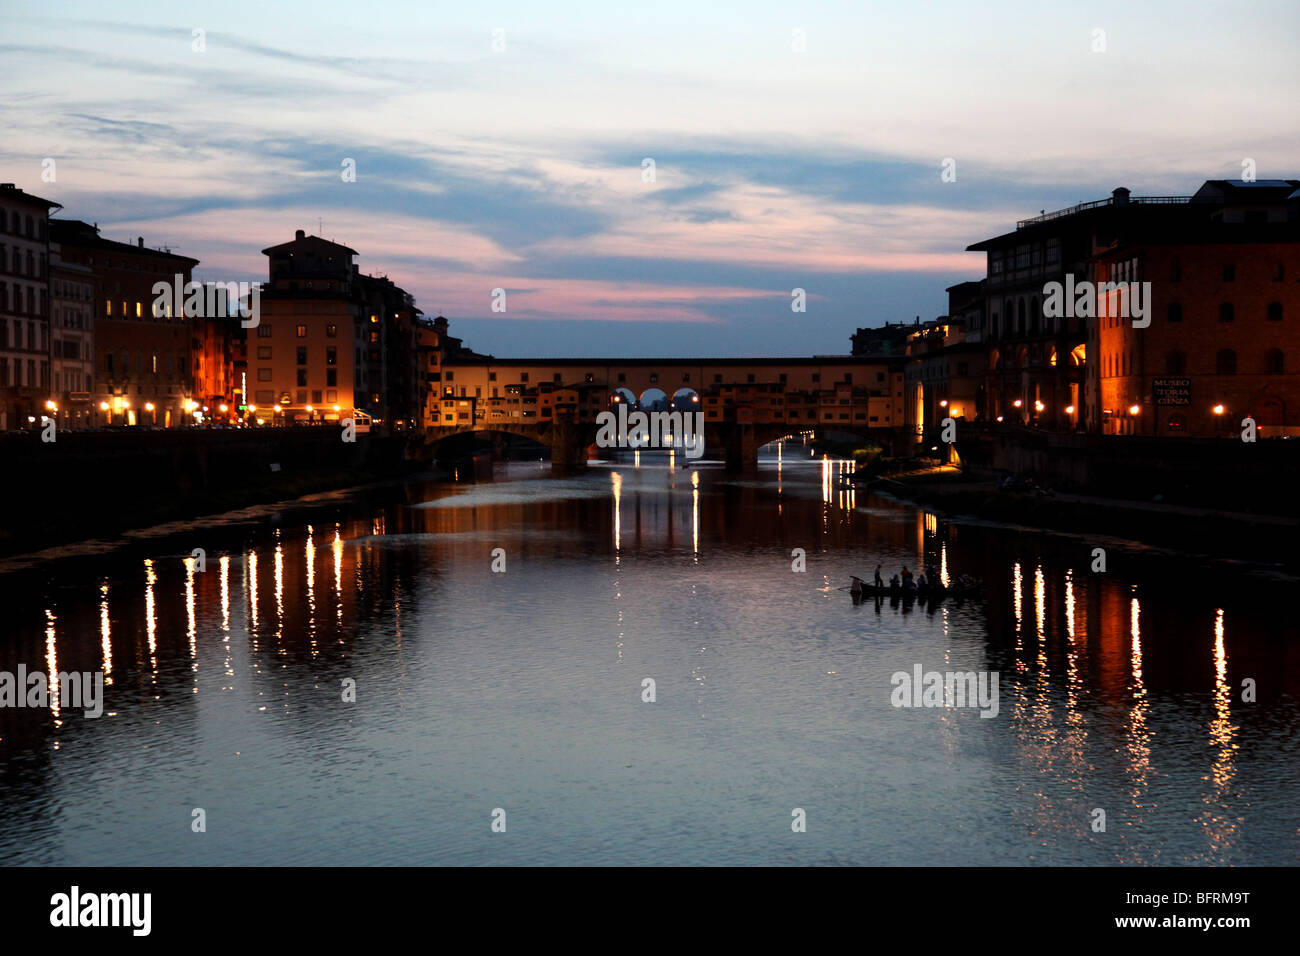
x=517 y=695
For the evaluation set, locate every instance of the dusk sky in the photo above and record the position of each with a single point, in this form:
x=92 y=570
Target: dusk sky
x=522 y=168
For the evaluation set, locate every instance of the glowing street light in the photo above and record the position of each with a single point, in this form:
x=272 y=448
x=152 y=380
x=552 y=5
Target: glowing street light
x=148 y=406
x=222 y=408
x=275 y=408
x=51 y=406
x=1069 y=409
x=1134 y=409
x=103 y=406
x=1039 y=406
x=1017 y=403
x=1218 y=409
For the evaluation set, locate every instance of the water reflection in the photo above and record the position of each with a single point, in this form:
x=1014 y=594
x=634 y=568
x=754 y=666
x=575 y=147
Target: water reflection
x=604 y=589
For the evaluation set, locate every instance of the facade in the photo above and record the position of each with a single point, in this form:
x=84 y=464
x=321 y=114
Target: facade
x=945 y=375
x=1217 y=277
x=1224 y=340
x=302 y=356
x=145 y=357
x=72 y=342
x=24 y=307
x=332 y=342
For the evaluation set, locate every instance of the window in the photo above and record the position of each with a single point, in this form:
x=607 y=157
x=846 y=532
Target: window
x=748 y=378
x=264 y=351
x=331 y=331
x=1175 y=312
x=717 y=380
x=263 y=374
x=654 y=378
x=315 y=396
x=1229 y=273
x=139 y=311
x=451 y=376
x=331 y=356
x=1175 y=362
x=302 y=331
x=817 y=376
x=1275 y=311
x=492 y=377
x=300 y=397
x=331 y=376
x=1274 y=362
x=1226 y=312
x=1226 y=362
x=108 y=309
x=523 y=376
x=264 y=330
x=302 y=355
x=302 y=377
x=331 y=395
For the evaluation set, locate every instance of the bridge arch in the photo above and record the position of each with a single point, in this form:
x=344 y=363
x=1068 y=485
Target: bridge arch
x=654 y=399
x=686 y=399
x=623 y=396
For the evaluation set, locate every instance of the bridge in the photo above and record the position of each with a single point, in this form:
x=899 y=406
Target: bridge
x=746 y=402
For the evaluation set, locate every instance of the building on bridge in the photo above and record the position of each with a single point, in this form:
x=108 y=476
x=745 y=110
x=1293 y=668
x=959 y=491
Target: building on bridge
x=848 y=393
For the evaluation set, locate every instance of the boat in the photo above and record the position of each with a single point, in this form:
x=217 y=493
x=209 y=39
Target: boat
x=932 y=592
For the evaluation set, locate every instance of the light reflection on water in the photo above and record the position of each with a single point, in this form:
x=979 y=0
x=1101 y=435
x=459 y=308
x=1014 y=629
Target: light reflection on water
x=477 y=689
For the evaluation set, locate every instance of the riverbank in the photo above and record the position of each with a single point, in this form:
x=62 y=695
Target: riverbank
x=101 y=486
x=1257 y=538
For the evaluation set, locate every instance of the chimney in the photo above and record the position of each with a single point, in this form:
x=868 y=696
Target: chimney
x=1120 y=196
x=139 y=241
x=300 y=234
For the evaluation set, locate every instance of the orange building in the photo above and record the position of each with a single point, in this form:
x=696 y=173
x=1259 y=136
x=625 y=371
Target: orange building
x=145 y=364
x=24 y=307
x=302 y=355
x=1223 y=342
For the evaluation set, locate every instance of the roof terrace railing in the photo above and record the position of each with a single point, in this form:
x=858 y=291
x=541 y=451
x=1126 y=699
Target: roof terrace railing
x=1083 y=206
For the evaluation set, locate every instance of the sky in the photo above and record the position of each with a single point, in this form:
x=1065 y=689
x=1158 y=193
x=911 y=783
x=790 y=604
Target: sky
x=505 y=146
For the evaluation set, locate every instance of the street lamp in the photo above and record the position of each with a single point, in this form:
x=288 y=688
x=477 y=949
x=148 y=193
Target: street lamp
x=1039 y=406
x=1069 y=409
x=1134 y=409
x=1217 y=409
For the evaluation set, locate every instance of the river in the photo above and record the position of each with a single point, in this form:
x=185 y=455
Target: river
x=501 y=710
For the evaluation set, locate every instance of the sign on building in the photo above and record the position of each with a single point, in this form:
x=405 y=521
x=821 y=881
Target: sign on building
x=1171 y=391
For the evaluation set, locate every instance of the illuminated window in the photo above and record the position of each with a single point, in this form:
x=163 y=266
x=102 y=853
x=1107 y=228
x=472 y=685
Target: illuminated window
x=139 y=312
x=302 y=331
